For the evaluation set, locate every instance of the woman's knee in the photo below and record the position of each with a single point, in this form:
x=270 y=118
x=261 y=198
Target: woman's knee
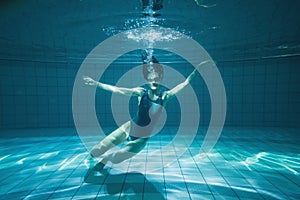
x=97 y=151
x=137 y=145
x=115 y=158
x=106 y=144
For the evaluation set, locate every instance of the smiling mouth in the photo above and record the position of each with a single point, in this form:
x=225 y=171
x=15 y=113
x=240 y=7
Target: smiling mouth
x=154 y=84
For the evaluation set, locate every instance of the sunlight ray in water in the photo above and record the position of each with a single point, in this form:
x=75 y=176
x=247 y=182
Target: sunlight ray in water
x=41 y=168
x=262 y=160
x=238 y=172
x=61 y=163
x=275 y=161
x=70 y=162
x=47 y=155
x=2 y=158
x=19 y=155
x=20 y=162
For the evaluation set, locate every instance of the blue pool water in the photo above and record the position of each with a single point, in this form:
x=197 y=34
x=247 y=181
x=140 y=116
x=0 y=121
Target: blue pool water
x=240 y=167
x=247 y=109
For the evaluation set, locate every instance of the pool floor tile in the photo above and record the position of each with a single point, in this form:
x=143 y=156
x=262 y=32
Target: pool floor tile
x=240 y=166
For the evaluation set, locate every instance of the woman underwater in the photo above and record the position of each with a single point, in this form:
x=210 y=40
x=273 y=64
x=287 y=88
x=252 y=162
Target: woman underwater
x=150 y=105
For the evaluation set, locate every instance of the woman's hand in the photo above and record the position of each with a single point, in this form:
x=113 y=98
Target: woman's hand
x=89 y=81
x=201 y=64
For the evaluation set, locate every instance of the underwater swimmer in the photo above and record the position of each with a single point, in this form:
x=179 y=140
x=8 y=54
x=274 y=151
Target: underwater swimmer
x=138 y=130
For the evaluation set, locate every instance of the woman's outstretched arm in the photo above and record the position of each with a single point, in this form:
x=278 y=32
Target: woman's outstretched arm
x=137 y=91
x=171 y=93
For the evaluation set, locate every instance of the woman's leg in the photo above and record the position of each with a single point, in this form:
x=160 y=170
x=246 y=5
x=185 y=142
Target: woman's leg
x=129 y=150
x=115 y=138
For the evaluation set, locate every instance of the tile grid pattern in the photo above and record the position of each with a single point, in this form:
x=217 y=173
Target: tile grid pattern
x=239 y=167
x=262 y=93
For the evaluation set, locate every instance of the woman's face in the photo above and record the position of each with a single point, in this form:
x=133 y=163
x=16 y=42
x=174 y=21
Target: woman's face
x=152 y=80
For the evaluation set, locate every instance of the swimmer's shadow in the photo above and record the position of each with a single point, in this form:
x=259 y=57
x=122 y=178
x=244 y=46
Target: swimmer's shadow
x=116 y=183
